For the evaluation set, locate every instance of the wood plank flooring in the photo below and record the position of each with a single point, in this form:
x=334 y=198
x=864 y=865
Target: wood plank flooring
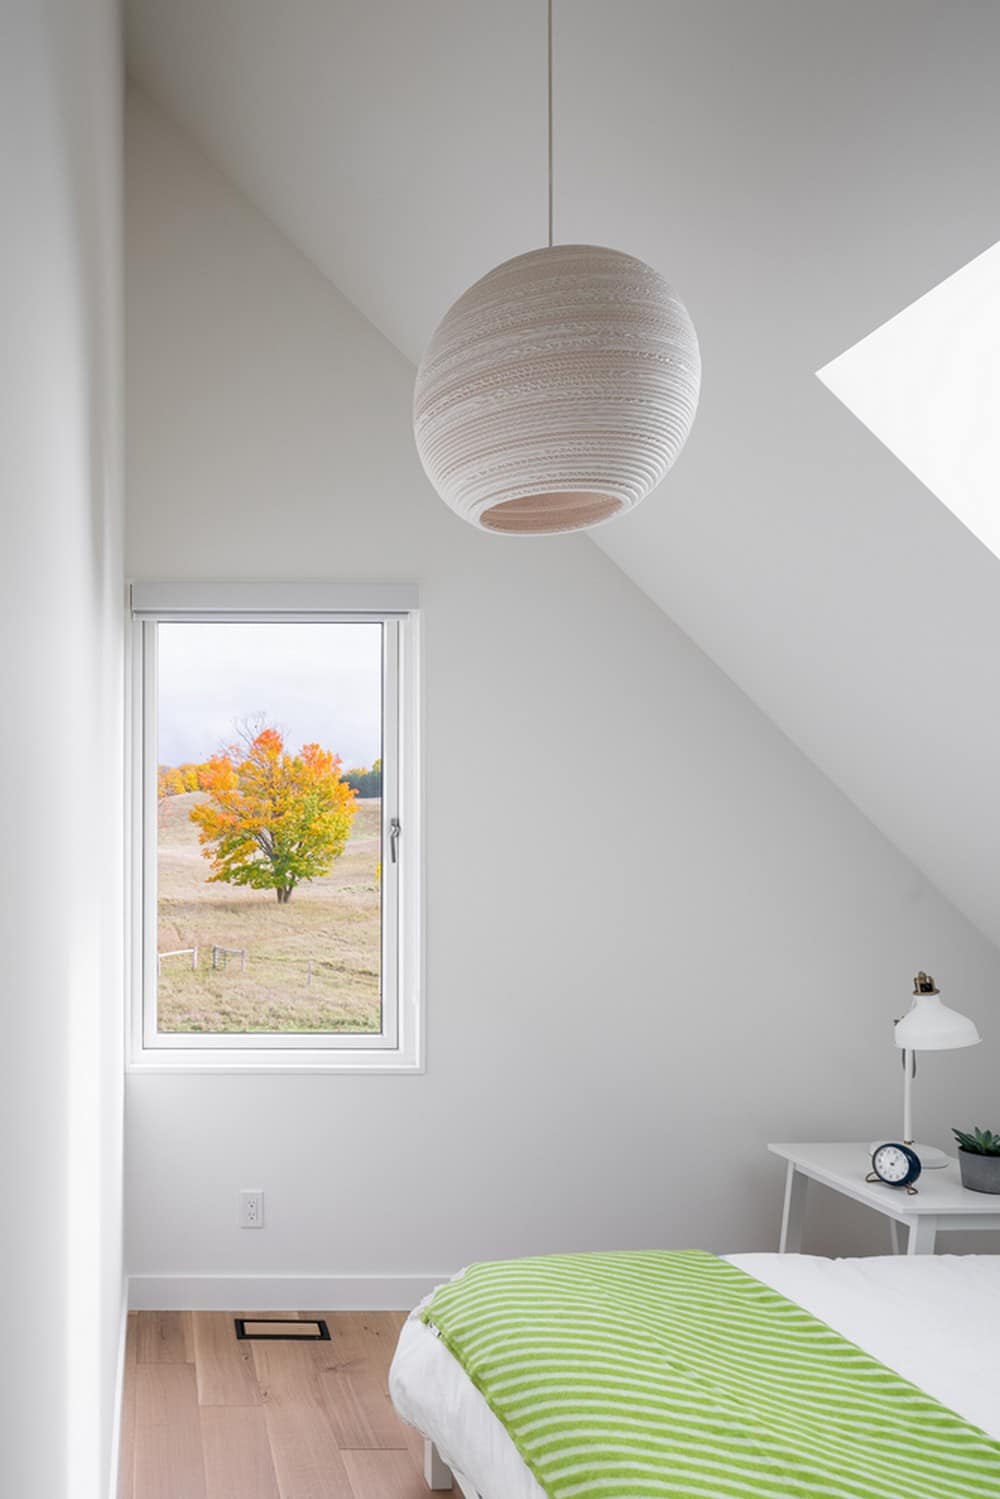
x=209 y=1417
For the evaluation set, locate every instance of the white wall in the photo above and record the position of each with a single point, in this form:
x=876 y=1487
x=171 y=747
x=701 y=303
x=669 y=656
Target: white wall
x=657 y=936
x=800 y=172
x=60 y=746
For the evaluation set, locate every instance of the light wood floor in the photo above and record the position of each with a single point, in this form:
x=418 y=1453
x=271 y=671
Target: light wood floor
x=209 y=1417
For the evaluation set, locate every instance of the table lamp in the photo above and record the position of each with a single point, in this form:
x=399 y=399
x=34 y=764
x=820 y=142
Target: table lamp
x=928 y=1025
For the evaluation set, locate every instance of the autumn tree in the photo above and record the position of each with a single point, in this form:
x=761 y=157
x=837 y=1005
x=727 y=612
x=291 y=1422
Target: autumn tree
x=169 y=782
x=273 y=818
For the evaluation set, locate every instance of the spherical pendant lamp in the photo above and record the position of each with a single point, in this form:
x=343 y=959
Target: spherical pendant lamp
x=557 y=391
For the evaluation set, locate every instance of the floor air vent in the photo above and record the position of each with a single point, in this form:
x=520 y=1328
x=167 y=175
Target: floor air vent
x=312 y=1330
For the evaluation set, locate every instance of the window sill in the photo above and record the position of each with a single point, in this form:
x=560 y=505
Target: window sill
x=218 y=1061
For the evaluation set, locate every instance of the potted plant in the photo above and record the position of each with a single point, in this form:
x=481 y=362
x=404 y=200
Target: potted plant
x=979 y=1159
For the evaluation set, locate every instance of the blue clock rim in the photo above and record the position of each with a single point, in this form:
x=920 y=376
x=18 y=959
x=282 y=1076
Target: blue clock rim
x=913 y=1160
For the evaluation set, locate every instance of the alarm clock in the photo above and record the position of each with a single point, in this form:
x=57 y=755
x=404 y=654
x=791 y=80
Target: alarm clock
x=896 y=1165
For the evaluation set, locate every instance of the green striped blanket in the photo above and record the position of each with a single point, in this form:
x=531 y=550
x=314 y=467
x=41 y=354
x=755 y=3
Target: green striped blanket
x=653 y=1376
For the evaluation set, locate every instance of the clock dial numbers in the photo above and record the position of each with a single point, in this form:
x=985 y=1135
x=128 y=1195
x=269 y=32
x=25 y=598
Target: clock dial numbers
x=891 y=1164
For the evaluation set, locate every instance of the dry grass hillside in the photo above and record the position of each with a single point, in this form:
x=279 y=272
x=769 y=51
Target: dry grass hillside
x=334 y=922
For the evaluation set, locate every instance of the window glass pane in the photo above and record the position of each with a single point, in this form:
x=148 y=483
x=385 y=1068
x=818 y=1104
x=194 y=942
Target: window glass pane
x=269 y=828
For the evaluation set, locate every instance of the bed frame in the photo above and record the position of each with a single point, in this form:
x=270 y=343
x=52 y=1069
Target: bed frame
x=438 y=1475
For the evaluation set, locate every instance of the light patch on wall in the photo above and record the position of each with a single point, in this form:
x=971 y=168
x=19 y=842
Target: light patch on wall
x=927 y=384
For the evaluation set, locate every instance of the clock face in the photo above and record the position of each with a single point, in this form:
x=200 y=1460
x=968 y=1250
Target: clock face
x=891 y=1164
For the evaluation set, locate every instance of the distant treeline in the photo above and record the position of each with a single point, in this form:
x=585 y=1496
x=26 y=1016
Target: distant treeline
x=365 y=782
x=174 y=780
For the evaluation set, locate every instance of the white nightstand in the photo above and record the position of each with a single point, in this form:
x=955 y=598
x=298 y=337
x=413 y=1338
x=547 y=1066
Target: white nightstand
x=941 y=1202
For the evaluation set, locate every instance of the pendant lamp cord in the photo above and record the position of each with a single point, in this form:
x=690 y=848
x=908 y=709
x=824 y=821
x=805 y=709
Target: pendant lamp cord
x=550 y=126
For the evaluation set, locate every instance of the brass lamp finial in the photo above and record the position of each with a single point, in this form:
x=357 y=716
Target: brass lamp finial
x=924 y=984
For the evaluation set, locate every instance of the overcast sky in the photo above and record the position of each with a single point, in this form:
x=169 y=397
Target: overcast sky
x=316 y=682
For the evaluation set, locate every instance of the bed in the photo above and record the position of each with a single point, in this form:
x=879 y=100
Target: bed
x=934 y=1320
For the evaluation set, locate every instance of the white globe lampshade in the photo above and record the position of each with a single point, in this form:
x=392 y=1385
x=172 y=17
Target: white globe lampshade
x=557 y=391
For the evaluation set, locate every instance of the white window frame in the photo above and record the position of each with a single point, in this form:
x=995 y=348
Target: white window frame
x=399 y=1045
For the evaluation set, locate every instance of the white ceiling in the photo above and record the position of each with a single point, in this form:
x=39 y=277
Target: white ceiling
x=802 y=170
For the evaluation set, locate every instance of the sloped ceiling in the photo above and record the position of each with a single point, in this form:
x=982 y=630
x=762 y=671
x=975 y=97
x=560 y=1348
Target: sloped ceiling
x=802 y=170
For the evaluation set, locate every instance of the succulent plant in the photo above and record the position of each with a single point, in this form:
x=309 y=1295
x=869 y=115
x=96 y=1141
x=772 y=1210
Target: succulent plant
x=980 y=1142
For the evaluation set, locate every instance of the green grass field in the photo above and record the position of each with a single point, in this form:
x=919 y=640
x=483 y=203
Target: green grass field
x=333 y=921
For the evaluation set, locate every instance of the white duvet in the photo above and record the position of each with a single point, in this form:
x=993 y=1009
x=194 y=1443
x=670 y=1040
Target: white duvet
x=935 y=1319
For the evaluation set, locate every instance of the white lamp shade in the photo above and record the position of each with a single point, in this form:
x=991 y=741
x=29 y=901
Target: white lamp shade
x=931 y=1026
x=557 y=391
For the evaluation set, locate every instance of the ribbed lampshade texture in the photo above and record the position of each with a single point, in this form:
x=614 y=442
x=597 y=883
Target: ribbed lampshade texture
x=557 y=391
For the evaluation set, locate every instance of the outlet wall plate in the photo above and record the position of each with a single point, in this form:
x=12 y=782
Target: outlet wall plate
x=252 y=1208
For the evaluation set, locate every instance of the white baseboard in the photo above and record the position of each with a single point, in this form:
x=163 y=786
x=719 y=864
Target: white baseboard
x=280 y=1293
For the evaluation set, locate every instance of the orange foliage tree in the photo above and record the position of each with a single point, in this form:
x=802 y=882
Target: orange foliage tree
x=273 y=818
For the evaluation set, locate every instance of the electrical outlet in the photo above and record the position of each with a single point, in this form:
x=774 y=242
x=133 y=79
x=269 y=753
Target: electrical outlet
x=252 y=1209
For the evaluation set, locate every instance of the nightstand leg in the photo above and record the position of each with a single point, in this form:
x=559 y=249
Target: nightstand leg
x=894 y=1235
x=923 y=1232
x=793 y=1211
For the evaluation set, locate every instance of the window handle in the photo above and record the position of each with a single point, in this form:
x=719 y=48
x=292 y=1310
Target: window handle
x=394 y=832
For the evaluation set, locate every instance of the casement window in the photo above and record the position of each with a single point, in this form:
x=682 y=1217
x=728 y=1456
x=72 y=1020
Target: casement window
x=276 y=837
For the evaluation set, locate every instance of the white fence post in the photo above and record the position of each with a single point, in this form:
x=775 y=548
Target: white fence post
x=178 y=952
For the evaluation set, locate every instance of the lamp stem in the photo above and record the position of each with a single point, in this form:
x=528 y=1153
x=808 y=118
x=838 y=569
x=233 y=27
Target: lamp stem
x=907 y=1098
x=551 y=196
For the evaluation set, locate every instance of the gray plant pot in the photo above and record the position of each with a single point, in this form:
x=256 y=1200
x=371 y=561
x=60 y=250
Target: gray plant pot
x=980 y=1173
